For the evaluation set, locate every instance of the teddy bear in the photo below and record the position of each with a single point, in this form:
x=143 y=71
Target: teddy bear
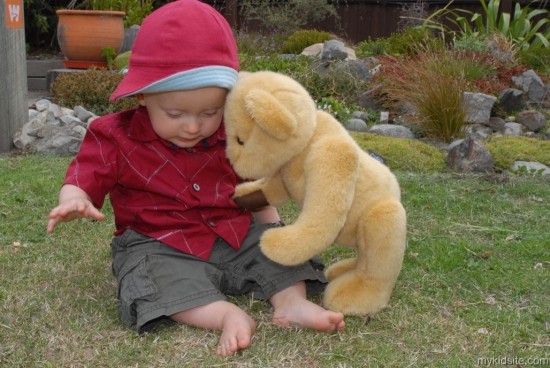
x=287 y=149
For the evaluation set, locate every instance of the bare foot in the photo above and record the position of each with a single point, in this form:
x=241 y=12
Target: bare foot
x=237 y=332
x=292 y=308
x=237 y=327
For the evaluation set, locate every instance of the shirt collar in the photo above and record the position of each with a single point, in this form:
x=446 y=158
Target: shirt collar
x=140 y=129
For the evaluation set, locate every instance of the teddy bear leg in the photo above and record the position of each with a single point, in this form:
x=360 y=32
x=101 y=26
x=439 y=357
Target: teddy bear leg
x=340 y=268
x=380 y=249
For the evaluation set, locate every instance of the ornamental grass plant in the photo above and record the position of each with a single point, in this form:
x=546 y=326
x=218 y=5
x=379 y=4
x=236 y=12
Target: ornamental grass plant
x=431 y=88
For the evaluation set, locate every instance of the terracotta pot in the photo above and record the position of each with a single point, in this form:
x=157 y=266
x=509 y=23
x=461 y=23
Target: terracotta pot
x=83 y=34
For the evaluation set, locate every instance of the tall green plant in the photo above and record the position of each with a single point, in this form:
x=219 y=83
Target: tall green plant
x=526 y=28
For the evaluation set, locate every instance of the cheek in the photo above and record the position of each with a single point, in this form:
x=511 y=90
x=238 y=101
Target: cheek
x=210 y=126
x=163 y=127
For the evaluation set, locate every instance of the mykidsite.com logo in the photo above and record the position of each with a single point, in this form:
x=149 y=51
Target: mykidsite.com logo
x=515 y=361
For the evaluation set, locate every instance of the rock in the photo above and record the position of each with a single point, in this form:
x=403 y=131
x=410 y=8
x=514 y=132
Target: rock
x=336 y=50
x=532 y=119
x=363 y=115
x=60 y=143
x=354 y=68
x=531 y=83
x=313 y=50
x=478 y=107
x=496 y=124
x=356 y=125
x=82 y=114
x=511 y=99
x=478 y=131
x=512 y=129
x=71 y=120
x=21 y=140
x=42 y=104
x=52 y=130
x=316 y=50
x=390 y=130
x=470 y=155
x=536 y=168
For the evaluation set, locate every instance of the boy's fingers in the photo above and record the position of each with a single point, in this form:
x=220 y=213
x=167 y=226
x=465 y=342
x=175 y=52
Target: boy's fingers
x=51 y=225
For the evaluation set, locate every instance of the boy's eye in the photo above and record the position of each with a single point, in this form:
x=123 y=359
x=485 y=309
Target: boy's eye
x=210 y=113
x=240 y=141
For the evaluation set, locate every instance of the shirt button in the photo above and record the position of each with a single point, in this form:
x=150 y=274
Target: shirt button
x=197 y=187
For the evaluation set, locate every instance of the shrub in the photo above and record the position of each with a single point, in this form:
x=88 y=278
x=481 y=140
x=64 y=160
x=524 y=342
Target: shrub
x=340 y=110
x=90 y=89
x=335 y=84
x=537 y=58
x=406 y=43
x=339 y=85
x=286 y=17
x=257 y=44
x=299 y=40
x=433 y=84
x=275 y=63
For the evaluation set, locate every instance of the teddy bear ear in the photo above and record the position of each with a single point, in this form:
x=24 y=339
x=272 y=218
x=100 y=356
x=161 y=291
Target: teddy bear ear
x=269 y=114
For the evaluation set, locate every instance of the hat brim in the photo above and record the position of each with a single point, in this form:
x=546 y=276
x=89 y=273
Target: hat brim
x=153 y=80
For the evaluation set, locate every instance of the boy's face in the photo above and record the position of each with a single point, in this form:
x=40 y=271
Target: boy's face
x=185 y=118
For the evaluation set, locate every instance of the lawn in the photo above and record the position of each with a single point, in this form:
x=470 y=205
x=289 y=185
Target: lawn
x=474 y=290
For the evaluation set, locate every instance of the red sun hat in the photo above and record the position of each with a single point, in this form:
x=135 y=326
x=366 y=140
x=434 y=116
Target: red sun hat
x=185 y=44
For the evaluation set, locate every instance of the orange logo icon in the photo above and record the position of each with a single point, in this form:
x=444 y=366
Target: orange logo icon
x=14 y=14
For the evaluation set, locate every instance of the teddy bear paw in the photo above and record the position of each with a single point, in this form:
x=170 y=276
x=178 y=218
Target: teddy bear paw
x=244 y=189
x=353 y=294
x=280 y=246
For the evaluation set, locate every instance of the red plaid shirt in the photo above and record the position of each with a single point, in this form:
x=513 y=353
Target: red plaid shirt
x=181 y=197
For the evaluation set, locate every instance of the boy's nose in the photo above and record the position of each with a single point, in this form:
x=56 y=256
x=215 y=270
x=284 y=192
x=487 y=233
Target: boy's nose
x=192 y=126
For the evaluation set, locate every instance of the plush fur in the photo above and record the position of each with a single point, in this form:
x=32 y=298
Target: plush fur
x=276 y=136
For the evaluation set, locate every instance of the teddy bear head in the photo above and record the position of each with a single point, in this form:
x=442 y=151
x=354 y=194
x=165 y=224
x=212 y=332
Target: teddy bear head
x=269 y=119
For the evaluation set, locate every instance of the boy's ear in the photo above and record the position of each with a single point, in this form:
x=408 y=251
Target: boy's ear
x=140 y=99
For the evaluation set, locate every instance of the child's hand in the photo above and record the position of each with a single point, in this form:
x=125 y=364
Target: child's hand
x=73 y=203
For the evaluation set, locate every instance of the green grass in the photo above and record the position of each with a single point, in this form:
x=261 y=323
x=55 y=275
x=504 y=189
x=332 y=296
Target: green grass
x=475 y=284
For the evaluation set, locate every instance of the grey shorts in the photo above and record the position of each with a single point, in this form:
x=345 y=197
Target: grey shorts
x=156 y=281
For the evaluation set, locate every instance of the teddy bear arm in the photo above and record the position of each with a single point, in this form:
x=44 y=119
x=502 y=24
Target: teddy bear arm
x=248 y=187
x=330 y=184
x=275 y=191
x=329 y=193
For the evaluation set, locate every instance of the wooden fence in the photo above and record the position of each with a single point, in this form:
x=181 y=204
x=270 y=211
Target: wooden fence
x=363 y=19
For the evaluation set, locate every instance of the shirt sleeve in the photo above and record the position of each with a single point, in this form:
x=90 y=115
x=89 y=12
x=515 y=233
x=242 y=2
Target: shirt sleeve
x=94 y=169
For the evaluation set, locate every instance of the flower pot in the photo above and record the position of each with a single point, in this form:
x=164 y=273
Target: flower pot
x=83 y=35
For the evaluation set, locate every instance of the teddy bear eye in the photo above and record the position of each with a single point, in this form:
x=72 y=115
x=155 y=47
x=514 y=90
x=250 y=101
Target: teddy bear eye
x=240 y=141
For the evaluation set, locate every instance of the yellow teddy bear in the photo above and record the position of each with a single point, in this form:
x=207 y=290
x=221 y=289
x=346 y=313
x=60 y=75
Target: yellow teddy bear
x=276 y=136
